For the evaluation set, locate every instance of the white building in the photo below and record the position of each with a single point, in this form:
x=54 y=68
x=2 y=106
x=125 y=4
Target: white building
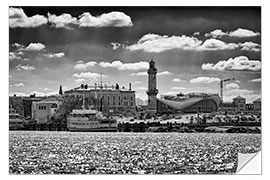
x=42 y=111
x=257 y=104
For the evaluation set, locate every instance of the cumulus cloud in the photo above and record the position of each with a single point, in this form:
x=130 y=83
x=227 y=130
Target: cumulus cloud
x=33 y=47
x=17 y=45
x=164 y=73
x=83 y=66
x=204 y=80
x=256 y=80
x=125 y=66
x=243 y=33
x=241 y=63
x=62 y=21
x=80 y=80
x=13 y=56
x=115 y=45
x=156 y=43
x=177 y=88
x=215 y=44
x=17 y=18
x=55 y=55
x=216 y=33
x=250 y=46
x=139 y=74
x=27 y=67
x=88 y=76
x=178 y=80
x=112 y=19
x=232 y=86
x=19 y=84
x=196 y=33
x=237 y=33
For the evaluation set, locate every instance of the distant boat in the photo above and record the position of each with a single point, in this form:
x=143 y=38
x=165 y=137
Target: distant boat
x=15 y=120
x=90 y=120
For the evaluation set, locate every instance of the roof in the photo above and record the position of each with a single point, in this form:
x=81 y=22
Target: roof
x=180 y=105
x=258 y=100
x=239 y=97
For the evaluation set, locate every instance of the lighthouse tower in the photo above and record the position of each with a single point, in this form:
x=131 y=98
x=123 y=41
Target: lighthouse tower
x=152 y=87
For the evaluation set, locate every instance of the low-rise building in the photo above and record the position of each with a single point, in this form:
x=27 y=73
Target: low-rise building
x=238 y=104
x=43 y=111
x=189 y=103
x=257 y=104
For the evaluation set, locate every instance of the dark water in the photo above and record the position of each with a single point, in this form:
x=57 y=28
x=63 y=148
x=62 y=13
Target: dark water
x=120 y=153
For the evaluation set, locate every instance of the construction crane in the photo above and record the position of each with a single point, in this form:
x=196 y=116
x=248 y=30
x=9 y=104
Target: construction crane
x=221 y=86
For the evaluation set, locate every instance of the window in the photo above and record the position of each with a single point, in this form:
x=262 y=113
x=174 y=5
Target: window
x=108 y=97
x=119 y=103
x=125 y=97
x=113 y=98
x=119 y=98
x=131 y=104
x=108 y=103
x=131 y=98
x=114 y=103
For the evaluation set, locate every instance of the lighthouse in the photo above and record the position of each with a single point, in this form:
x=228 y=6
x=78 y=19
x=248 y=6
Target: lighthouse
x=152 y=87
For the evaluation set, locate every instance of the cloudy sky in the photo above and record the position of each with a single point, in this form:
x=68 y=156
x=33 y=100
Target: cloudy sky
x=193 y=48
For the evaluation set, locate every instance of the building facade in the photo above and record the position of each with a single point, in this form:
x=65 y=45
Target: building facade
x=43 y=111
x=152 y=88
x=257 y=104
x=113 y=98
x=190 y=103
x=240 y=103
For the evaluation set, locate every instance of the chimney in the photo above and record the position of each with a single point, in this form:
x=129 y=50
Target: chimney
x=129 y=86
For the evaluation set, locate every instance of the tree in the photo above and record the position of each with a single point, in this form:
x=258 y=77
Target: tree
x=60 y=90
x=70 y=102
x=17 y=104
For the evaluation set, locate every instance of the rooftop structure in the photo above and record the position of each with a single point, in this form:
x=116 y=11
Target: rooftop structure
x=113 y=98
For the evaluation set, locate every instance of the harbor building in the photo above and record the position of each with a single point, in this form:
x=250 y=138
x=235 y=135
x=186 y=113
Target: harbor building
x=238 y=104
x=152 y=87
x=113 y=98
x=42 y=111
x=257 y=104
x=188 y=103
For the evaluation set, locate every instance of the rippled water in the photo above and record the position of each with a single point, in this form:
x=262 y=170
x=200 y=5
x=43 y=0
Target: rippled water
x=119 y=153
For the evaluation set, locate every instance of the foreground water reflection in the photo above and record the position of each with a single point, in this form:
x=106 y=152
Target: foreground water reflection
x=120 y=153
